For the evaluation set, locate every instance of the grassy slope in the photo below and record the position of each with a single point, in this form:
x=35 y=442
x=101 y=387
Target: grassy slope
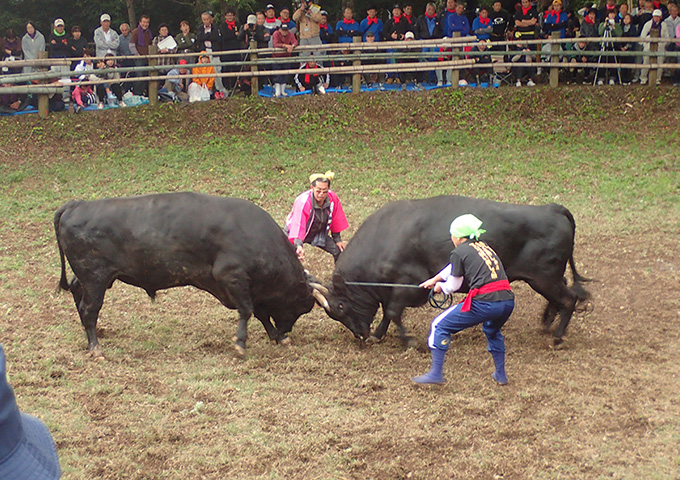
x=324 y=408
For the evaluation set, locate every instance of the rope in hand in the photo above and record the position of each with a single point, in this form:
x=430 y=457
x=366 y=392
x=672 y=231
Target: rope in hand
x=442 y=303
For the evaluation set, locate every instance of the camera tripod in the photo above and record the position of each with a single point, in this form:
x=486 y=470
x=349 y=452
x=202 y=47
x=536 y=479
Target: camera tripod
x=607 y=45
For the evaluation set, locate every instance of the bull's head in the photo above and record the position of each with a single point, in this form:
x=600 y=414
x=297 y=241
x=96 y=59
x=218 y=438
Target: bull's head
x=339 y=306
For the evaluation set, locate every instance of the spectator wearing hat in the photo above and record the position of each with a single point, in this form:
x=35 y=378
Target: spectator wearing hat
x=555 y=19
x=229 y=31
x=654 y=24
x=308 y=17
x=197 y=83
x=32 y=43
x=371 y=78
x=482 y=27
x=325 y=30
x=317 y=218
x=427 y=27
x=371 y=24
x=58 y=48
x=178 y=87
x=106 y=40
x=408 y=77
x=58 y=41
x=252 y=30
x=282 y=38
x=396 y=27
x=347 y=28
x=284 y=17
x=394 y=31
x=271 y=23
x=27 y=450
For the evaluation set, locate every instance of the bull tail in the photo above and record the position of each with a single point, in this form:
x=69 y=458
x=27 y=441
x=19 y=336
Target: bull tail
x=63 y=282
x=577 y=286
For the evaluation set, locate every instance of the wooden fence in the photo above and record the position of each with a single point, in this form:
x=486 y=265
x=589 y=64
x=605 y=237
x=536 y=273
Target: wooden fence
x=381 y=57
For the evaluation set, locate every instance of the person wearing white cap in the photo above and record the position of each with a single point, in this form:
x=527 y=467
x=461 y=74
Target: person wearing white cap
x=27 y=450
x=654 y=24
x=106 y=39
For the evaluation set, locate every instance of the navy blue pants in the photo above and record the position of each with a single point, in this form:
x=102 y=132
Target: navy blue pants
x=492 y=316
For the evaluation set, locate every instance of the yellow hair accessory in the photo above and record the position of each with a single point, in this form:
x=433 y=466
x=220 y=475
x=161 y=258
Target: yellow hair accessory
x=321 y=176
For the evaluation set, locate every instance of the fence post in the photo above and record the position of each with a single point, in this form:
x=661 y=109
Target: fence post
x=43 y=98
x=153 y=85
x=455 y=73
x=356 y=78
x=652 y=76
x=554 y=58
x=254 y=81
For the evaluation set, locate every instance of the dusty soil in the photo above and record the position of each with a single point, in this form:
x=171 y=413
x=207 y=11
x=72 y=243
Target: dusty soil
x=605 y=405
x=171 y=400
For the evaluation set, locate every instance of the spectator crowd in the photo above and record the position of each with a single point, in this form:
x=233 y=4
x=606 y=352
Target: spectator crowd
x=215 y=38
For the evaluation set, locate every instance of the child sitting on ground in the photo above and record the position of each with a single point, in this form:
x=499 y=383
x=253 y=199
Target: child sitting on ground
x=201 y=88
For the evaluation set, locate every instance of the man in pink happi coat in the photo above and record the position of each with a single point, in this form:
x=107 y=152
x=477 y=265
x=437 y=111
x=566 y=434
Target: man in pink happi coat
x=317 y=218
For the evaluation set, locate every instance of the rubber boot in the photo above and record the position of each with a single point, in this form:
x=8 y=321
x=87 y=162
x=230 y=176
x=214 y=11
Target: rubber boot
x=440 y=77
x=435 y=374
x=277 y=89
x=499 y=374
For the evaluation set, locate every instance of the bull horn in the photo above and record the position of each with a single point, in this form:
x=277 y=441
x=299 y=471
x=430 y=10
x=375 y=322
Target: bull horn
x=319 y=287
x=321 y=299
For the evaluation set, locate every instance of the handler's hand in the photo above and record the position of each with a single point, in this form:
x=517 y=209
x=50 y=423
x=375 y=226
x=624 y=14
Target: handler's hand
x=300 y=253
x=428 y=283
x=341 y=246
x=438 y=287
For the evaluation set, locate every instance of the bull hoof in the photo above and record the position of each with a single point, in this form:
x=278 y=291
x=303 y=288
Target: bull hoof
x=240 y=351
x=558 y=344
x=96 y=354
x=373 y=339
x=285 y=341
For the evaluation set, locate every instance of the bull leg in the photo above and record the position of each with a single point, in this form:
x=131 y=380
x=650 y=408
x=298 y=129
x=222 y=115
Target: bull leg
x=561 y=298
x=272 y=332
x=242 y=332
x=549 y=315
x=380 y=331
x=89 y=302
x=408 y=339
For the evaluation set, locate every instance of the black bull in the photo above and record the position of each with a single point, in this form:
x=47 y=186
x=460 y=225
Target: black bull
x=228 y=247
x=408 y=241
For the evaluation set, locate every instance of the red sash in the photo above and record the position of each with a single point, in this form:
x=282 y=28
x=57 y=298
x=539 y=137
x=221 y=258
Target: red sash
x=488 y=288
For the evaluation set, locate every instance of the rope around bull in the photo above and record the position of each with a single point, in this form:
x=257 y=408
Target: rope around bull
x=441 y=303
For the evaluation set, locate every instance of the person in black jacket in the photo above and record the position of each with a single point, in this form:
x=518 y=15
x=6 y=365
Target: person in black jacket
x=394 y=30
x=76 y=44
x=209 y=40
x=251 y=30
x=57 y=46
x=500 y=21
x=229 y=32
x=428 y=27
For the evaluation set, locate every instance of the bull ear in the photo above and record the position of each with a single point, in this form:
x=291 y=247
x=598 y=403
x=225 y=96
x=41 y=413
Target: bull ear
x=339 y=283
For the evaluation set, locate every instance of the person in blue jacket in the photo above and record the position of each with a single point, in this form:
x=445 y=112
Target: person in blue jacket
x=325 y=30
x=347 y=28
x=459 y=22
x=371 y=24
